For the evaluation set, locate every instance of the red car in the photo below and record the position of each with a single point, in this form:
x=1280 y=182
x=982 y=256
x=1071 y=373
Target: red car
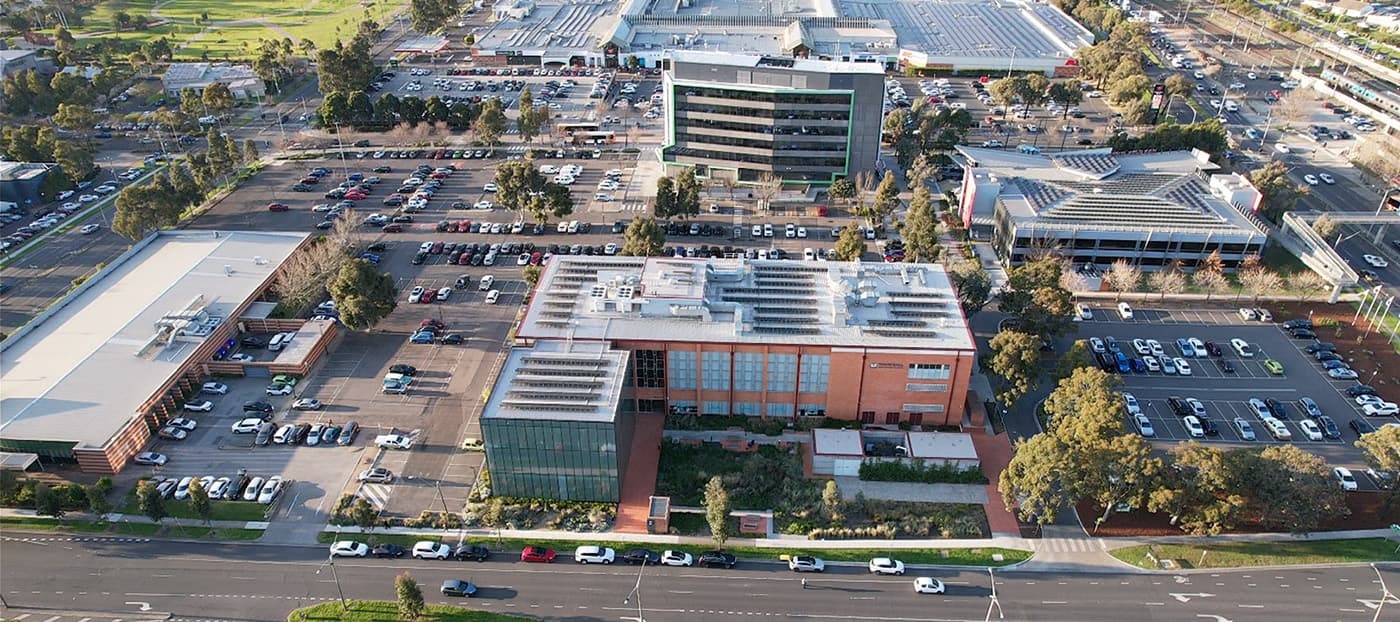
x=437 y=325
x=277 y=207
x=428 y=296
x=536 y=554
x=464 y=226
x=394 y=228
x=354 y=196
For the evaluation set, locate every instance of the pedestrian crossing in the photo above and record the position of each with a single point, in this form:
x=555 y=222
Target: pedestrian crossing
x=376 y=494
x=1069 y=545
x=632 y=207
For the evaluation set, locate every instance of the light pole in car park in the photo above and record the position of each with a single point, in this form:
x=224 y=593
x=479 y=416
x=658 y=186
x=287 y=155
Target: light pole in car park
x=637 y=590
x=330 y=561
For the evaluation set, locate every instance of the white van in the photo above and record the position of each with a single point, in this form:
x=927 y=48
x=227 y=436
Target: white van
x=279 y=341
x=573 y=226
x=485 y=283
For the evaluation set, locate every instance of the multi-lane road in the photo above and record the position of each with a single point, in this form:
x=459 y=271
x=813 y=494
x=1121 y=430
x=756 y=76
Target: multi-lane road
x=254 y=582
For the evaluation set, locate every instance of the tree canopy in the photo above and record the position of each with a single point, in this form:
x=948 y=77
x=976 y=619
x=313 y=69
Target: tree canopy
x=1035 y=298
x=363 y=294
x=643 y=238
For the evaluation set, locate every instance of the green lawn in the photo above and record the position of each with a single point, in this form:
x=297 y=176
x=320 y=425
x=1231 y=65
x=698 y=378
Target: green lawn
x=385 y=611
x=1245 y=554
x=222 y=510
x=930 y=556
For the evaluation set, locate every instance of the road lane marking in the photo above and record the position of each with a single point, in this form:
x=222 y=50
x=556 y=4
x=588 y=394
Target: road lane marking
x=1250 y=606
x=1054 y=602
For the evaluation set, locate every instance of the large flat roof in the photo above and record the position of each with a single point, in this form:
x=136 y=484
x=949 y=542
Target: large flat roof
x=80 y=374
x=739 y=301
x=775 y=63
x=557 y=380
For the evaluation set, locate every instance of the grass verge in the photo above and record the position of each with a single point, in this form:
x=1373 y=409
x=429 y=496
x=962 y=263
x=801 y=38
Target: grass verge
x=221 y=510
x=1246 y=554
x=930 y=556
x=129 y=529
x=385 y=611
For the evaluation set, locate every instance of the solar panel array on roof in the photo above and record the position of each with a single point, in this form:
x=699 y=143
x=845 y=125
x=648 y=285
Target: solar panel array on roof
x=1128 y=183
x=1131 y=211
x=1097 y=165
x=1040 y=195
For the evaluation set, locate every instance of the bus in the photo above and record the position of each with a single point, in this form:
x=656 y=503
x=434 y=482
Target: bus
x=569 y=129
x=594 y=138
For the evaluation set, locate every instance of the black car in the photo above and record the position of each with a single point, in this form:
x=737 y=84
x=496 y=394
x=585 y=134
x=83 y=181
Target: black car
x=1358 y=390
x=1279 y=409
x=1210 y=427
x=298 y=435
x=474 y=552
x=1214 y=349
x=716 y=559
x=407 y=370
x=257 y=407
x=1303 y=333
x=1327 y=356
x=1179 y=406
x=1298 y=323
x=1329 y=427
x=1362 y=426
x=452 y=339
x=252 y=342
x=641 y=556
x=1320 y=346
x=302 y=188
x=377 y=247
x=387 y=550
x=419 y=258
x=454 y=587
x=1225 y=366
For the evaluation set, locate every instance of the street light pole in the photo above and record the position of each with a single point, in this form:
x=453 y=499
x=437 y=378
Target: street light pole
x=1386 y=595
x=637 y=590
x=1001 y=615
x=330 y=561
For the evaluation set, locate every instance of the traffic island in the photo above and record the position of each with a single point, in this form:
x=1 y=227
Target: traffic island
x=387 y=611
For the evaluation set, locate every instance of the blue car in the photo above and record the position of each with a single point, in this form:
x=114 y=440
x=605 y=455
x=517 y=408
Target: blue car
x=422 y=337
x=370 y=257
x=1138 y=366
x=1123 y=365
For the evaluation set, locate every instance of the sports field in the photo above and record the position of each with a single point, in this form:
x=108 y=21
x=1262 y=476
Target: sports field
x=232 y=28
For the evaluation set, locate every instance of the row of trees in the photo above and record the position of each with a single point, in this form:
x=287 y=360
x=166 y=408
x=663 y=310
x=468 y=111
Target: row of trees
x=431 y=15
x=1209 y=277
x=534 y=118
x=32 y=143
x=520 y=187
x=487 y=119
x=347 y=67
x=1087 y=452
x=1116 y=62
x=31 y=92
x=923 y=130
x=159 y=203
x=868 y=198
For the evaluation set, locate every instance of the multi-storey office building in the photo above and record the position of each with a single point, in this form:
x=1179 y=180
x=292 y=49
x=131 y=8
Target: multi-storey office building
x=740 y=117
x=878 y=343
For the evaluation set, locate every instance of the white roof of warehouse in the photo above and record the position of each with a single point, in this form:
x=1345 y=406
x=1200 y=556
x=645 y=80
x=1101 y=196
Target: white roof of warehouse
x=82 y=373
x=941 y=446
x=836 y=442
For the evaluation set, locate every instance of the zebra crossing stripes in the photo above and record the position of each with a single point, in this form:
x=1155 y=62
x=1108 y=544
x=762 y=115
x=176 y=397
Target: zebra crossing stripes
x=376 y=494
x=1069 y=545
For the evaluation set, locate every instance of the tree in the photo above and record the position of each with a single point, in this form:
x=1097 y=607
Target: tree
x=74 y=117
x=528 y=123
x=717 y=510
x=850 y=246
x=1290 y=489
x=1200 y=491
x=831 y=498
x=1258 y=280
x=1177 y=85
x=896 y=126
x=769 y=187
x=345 y=68
x=304 y=275
x=921 y=228
x=363 y=294
x=532 y=275
x=1280 y=193
x=1168 y=281
x=666 y=199
x=250 y=151
x=1079 y=356
x=75 y=157
x=1324 y=226
x=431 y=15
x=150 y=502
x=363 y=514
x=217 y=98
x=199 y=501
x=1123 y=276
x=1210 y=275
x=973 y=285
x=922 y=170
x=841 y=190
x=552 y=200
x=643 y=238
x=410 y=595
x=1066 y=93
x=886 y=197
x=1307 y=282
x=1034 y=297
x=687 y=194
x=146 y=208
x=47 y=502
x=190 y=103
x=97 y=502
x=1381 y=451
x=1016 y=359
x=490 y=123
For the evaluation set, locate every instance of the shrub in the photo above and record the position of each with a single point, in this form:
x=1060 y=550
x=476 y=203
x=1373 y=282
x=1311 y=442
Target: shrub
x=920 y=472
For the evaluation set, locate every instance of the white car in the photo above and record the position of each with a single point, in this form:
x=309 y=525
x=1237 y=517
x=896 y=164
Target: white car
x=492 y=296
x=1259 y=408
x=928 y=585
x=88 y=198
x=220 y=488
x=589 y=554
x=1375 y=261
x=1193 y=426
x=1245 y=430
x=489 y=188
x=1182 y=367
x=1141 y=348
x=1311 y=180
x=1276 y=428
x=1097 y=345
x=1282 y=148
x=1342 y=374
x=1199 y=347
x=1125 y=311
x=1156 y=347
x=1151 y=363
x=182 y=490
x=801 y=232
x=676 y=558
x=885 y=565
x=1380 y=410
x=1144 y=425
x=150 y=458
x=278 y=388
x=1344 y=478
x=313 y=436
x=214 y=388
x=1327 y=179
x=1248 y=314
x=483 y=204
x=199 y=407
x=1362 y=400
x=393 y=441
x=270 y=488
x=182 y=423
x=1131 y=403
x=416 y=294
x=1241 y=347
x=254 y=487
x=1310 y=429
x=427 y=549
x=1083 y=312
x=806 y=563
x=349 y=548
x=376 y=475
x=307 y=403
x=247 y=426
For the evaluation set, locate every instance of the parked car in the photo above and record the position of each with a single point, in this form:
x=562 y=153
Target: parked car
x=590 y=554
x=349 y=548
x=474 y=552
x=641 y=556
x=886 y=565
x=150 y=458
x=537 y=554
x=676 y=558
x=427 y=549
x=806 y=563
x=387 y=550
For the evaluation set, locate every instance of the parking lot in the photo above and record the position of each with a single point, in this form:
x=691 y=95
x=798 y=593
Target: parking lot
x=1225 y=395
